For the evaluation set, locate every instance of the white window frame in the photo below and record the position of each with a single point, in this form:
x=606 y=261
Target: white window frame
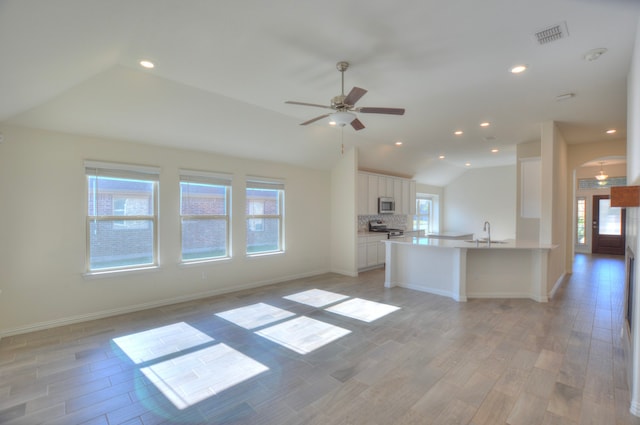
x=209 y=179
x=131 y=172
x=256 y=221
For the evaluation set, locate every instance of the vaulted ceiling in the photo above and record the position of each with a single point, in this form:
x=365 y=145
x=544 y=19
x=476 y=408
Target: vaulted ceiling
x=223 y=70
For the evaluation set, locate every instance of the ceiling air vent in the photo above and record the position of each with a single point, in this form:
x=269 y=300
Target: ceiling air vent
x=552 y=33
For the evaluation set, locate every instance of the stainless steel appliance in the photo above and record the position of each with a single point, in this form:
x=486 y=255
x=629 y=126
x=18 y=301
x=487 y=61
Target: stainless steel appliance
x=380 y=226
x=386 y=205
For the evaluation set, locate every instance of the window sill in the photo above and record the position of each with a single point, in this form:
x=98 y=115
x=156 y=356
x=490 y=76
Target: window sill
x=186 y=264
x=264 y=254
x=117 y=273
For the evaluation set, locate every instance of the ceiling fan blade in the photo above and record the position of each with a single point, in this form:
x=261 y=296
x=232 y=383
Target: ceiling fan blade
x=315 y=119
x=354 y=95
x=307 y=104
x=357 y=125
x=389 y=111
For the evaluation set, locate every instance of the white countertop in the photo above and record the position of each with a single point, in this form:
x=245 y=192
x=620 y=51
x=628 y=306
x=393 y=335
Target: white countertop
x=449 y=243
x=445 y=235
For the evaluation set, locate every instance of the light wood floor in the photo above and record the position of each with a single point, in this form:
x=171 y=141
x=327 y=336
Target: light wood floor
x=433 y=361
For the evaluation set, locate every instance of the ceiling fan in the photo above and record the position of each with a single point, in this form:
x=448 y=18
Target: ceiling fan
x=344 y=106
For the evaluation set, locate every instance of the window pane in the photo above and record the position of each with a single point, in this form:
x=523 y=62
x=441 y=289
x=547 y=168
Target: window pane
x=202 y=199
x=110 y=196
x=262 y=202
x=263 y=236
x=113 y=246
x=610 y=219
x=581 y=222
x=204 y=238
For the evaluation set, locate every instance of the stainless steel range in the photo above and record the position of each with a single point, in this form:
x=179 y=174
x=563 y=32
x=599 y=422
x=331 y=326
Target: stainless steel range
x=380 y=226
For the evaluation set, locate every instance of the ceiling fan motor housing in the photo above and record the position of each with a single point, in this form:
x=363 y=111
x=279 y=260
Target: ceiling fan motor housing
x=338 y=102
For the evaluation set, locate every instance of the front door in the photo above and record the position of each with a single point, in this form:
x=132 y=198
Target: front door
x=608 y=227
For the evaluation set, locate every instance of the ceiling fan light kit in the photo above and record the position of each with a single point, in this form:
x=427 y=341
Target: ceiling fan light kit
x=341 y=118
x=344 y=106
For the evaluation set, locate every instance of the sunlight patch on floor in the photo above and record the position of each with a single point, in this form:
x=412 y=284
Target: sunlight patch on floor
x=364 y=310
x=193 y=377
x=316 y=297
x=157 y=342
x=255 y=315
x=303 y=334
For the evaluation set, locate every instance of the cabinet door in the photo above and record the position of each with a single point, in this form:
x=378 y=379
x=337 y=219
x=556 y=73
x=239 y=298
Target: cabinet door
x=405 y=197
x=398 y=196
x=382 y=186
x=409 y=197
x=372 y=202
x=363 y=194
x=362 y=256
x=382 y=249
x=372 y=254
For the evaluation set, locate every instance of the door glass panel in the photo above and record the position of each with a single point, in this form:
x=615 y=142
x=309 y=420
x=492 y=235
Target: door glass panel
x=610 y=219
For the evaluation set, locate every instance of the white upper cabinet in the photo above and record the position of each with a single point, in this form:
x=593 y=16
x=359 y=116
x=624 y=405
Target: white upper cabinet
x=372 y=186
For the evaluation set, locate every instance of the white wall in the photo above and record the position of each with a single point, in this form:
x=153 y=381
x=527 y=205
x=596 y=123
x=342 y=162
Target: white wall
x=42 y=229
x=633 y=215
x=633 y=115
x=479 y=195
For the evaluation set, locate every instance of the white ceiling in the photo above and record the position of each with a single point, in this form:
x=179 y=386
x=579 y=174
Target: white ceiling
x=225 y=68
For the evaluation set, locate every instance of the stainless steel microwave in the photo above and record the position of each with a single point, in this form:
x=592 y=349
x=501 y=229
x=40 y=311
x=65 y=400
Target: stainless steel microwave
x=386 y=205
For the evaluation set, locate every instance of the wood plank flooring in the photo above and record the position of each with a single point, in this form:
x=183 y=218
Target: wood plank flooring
x=432 y=361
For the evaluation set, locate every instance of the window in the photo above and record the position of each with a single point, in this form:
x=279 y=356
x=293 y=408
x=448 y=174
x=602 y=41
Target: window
x=425 y=218
x=586 y=184
x=204 y=215
x=581 y=218
x=122 y=217
x=264 y=213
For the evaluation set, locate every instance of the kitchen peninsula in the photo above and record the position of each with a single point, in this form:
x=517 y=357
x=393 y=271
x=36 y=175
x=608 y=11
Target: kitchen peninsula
x=462 y=269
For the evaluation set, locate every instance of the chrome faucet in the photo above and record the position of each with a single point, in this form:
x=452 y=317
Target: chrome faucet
x=487 y=228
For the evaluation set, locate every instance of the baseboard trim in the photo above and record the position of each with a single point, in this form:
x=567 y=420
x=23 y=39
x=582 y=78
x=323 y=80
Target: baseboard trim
x=507 y=295
x=557 y=285
x=63 y=321
x=428 y=290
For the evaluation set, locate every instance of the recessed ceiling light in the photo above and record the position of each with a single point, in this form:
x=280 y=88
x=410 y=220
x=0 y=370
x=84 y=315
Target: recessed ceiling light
x=611 y=131
x=398 y=143
x=441 y=157
x=146 y=64
x=485 y=124
x=494 y=151
x=458 y=132
x=467 y=164
x=518 y=69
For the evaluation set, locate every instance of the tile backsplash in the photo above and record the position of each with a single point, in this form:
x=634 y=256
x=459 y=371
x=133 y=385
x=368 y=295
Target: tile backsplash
x=397 y=221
